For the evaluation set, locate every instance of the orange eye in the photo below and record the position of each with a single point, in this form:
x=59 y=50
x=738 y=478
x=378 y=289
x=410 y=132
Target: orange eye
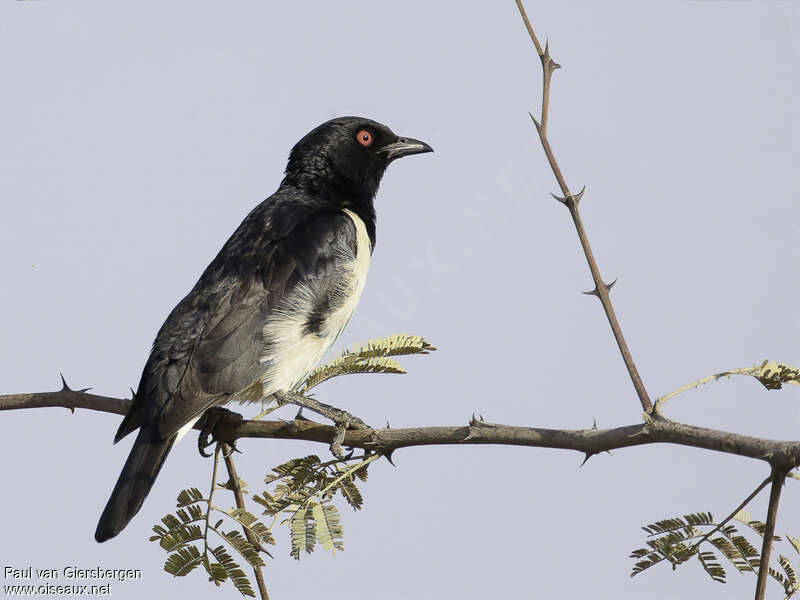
x=364 y=137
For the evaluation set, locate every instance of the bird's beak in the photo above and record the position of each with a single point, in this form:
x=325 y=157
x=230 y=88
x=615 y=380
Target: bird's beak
x=404 y=147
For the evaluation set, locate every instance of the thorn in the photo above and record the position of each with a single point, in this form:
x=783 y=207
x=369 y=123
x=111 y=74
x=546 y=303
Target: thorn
x=387 y=424
x=535 y=122
x=577 y=197
x=594 y=424
x=66 y=388
x=133 y=394
x=547 y=60
x=231 y=448
x=587 y=456
x=388 y=456
x=607 y=286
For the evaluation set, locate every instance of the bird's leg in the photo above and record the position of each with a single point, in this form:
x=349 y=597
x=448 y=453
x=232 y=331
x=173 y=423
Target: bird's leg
x=342 y=419
x=336 y=415
x=208 y=423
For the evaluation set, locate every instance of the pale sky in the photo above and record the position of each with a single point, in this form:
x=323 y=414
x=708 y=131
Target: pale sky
x=136 y=137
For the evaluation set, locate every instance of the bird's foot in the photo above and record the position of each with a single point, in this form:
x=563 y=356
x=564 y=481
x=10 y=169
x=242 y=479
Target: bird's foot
x=209 y=422
x=342 y=419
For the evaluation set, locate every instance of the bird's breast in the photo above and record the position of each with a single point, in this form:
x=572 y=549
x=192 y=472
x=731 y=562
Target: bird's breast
x=313 y=315
x=358 y=267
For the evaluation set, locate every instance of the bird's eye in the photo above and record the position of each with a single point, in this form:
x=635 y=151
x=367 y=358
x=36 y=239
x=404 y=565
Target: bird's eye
x=364 y=137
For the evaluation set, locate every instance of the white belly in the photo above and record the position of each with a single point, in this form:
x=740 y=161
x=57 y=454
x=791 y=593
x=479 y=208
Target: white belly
x=294 y=352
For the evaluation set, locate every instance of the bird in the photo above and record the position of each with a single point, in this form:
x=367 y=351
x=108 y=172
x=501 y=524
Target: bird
x=273 y=300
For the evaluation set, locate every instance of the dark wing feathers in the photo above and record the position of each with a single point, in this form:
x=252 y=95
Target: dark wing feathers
x=210 y=345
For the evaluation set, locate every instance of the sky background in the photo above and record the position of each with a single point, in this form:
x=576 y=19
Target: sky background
x=135 y=137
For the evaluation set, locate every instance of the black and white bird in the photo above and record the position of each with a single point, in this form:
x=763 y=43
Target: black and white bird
x=269 y=305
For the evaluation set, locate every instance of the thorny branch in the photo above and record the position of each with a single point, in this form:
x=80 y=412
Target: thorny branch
x=778 y=477
x=601 y=290
x=783 y=455
x=571 y=201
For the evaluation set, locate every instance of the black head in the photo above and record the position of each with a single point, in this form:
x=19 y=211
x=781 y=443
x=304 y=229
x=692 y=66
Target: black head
x=346 y=157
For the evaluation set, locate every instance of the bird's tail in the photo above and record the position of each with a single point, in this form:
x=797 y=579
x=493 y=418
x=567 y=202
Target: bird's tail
x=134 y=483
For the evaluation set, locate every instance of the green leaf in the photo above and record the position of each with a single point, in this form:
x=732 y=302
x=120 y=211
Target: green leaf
x=301 y=524
x=792 y=581
x=773 y=375
x=732 y=553
x=648 y=560
x=350 y=364
x=298 y=469
x=183 y=562
x=234 y=571
x=243 y=547
x=174 y=523
x=393 y=345
x=351 y=493
x=780 y=579
x=253 y=525
x=362 y=473
x=370 y=358
x=696 y=519
x=711 y=566
x=189 y=496
x=181 y=536
x=216 y=572
x=328 y=527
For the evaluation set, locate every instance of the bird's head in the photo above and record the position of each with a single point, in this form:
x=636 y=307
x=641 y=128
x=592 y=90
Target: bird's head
x=347 y=156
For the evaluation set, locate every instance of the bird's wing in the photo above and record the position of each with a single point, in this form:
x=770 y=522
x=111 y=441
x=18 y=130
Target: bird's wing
x=211 y=345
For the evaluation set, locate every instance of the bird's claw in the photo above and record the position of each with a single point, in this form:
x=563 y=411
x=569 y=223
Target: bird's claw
x=209 y=421
x=338 y=438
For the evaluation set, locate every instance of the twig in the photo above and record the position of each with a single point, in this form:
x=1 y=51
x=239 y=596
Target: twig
x=778 y=477
x=211 y=499
x=237 y=493
x=348 y=472
x=571 y=201
x=751 y=371
x=736 y=510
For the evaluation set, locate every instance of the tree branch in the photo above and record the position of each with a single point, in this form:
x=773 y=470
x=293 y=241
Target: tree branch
x=571 y=201
x=227 y=453
x=65 y=398
x=778 y=477
x=783 y=455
